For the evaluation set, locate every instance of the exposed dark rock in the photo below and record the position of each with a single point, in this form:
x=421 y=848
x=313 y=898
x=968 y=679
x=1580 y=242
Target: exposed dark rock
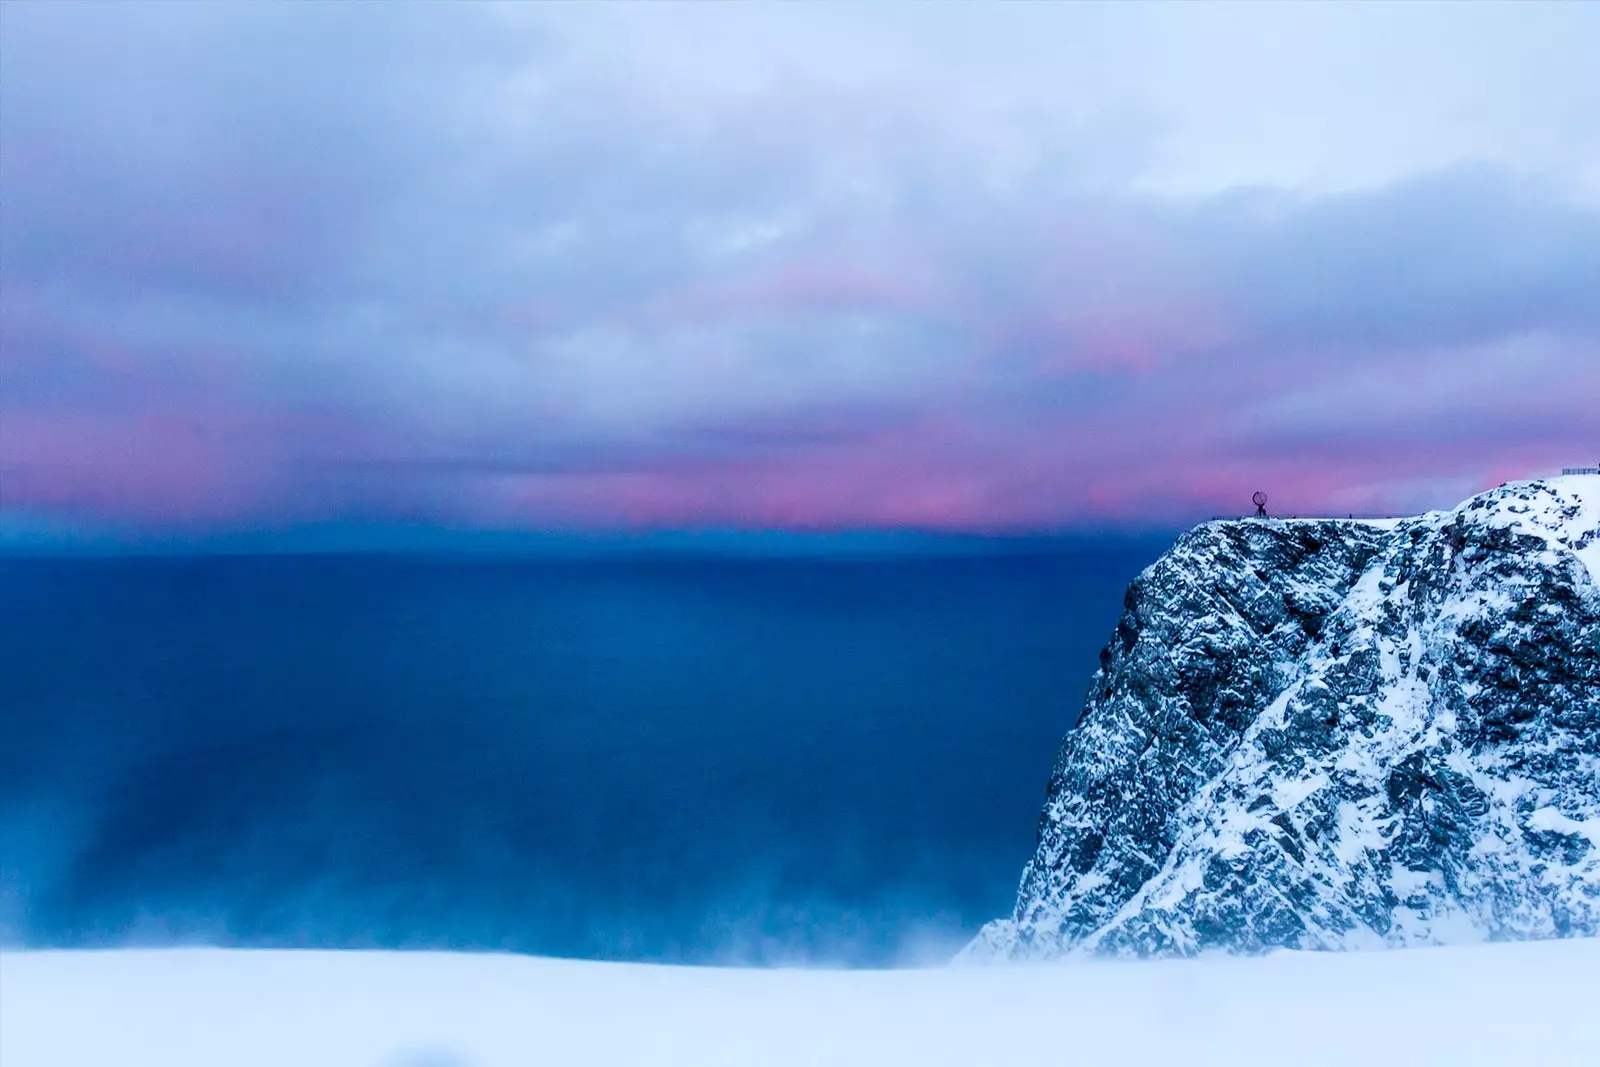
x=1330 y=734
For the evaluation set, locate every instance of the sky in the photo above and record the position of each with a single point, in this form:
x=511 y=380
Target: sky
x=811 y=268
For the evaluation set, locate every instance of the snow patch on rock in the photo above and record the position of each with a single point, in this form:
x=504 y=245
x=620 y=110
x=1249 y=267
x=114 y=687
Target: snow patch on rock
x=1329 y=734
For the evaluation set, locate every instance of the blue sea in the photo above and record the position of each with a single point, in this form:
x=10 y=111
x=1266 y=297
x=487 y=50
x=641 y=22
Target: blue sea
x=685 y=758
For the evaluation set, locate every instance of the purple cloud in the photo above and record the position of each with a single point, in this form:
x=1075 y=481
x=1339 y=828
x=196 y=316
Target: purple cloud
x=513 y=269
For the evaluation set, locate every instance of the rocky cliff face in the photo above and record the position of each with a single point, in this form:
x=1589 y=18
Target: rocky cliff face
x=1329 y=734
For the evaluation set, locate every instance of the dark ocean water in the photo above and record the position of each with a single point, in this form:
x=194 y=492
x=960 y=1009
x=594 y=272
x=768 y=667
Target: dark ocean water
x=684 y=759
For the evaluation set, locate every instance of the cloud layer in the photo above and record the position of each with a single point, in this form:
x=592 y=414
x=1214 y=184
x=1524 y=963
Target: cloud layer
x=797 y=268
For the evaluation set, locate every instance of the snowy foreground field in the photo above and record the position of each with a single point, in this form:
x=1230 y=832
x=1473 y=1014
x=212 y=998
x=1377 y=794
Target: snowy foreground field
x=1522 y=1004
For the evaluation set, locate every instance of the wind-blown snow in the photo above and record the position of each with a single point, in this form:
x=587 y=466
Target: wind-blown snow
x=1528 y=1003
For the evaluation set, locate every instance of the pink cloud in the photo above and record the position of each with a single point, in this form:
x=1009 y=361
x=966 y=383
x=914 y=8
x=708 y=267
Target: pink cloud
x=199 y=466
x=958 y=473
x=954 y=471
x=144 y=467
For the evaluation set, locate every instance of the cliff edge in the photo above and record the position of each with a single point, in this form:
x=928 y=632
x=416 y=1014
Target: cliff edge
x=1328 y=734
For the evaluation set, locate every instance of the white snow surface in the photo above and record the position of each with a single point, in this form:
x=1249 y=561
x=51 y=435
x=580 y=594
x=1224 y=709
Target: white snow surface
x=1525 y=1003
x=1583 y=490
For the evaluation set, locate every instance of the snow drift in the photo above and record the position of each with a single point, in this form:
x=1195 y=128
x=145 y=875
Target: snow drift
x=1492 y=1004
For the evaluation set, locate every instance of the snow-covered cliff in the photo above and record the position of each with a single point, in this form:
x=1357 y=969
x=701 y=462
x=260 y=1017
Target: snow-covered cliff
x=1333 y=734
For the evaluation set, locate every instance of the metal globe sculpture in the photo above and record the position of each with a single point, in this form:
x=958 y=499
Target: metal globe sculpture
x=1260 y=501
